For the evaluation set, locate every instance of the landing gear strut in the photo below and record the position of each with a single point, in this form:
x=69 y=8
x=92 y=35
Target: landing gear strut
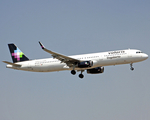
x=81 y=75
x=73 y=72
x=131 y=67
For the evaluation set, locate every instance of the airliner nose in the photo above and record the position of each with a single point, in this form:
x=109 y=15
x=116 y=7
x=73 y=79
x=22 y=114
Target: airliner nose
x=145 y=56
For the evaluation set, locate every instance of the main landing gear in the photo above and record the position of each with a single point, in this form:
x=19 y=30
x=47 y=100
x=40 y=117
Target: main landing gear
x=81 y=75
x=131 y=67
x=73 y=72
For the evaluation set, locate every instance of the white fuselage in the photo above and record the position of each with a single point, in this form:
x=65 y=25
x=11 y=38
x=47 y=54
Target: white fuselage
x=99 y=59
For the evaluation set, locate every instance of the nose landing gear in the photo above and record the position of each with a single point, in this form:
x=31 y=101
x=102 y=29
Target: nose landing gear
x=131 y=67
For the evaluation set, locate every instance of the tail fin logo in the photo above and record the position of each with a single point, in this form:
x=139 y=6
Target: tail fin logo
x=17 y=54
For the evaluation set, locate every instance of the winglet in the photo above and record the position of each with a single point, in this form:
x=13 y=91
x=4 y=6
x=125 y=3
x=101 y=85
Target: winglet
x=42 y=46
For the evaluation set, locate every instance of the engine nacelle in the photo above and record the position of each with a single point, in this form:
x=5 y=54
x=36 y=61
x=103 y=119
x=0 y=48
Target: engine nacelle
x=96 y=70
x=85 y=64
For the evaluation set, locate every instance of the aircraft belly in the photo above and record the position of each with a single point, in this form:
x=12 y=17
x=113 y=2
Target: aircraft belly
x=48 y=68
x=55 y=68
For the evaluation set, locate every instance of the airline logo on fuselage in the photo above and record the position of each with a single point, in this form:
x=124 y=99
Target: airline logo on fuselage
x=116 y=52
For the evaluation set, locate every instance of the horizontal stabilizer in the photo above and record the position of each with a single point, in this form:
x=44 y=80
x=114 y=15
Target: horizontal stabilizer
x=17 y=65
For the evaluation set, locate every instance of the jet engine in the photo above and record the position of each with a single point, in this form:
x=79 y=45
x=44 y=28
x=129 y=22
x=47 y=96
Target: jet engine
x=85 y=64
x=96 y=70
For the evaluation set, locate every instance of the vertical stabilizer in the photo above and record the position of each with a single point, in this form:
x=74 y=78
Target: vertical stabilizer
x=16 y=54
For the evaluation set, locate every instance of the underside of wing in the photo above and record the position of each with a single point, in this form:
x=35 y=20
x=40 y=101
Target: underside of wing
x=62 y=58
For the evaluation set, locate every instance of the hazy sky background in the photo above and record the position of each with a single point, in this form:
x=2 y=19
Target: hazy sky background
x=74 y=27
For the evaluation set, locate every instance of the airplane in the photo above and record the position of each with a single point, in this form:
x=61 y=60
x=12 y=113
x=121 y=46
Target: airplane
x=93 y=63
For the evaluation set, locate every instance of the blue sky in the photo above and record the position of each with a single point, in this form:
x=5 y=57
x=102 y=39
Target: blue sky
x=75 y=27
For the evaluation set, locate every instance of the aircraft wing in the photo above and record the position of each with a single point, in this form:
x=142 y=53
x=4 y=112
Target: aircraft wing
x=62 y=58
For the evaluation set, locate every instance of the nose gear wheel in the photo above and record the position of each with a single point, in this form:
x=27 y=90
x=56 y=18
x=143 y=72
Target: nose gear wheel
x=131 y=67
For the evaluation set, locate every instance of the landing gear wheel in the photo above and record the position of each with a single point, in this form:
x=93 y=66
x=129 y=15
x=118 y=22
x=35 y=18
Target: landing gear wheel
x=73 y=72
x=81 y=75
x=132 y=68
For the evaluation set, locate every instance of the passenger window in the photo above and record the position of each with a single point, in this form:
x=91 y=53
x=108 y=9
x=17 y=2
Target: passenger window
x=139 y=52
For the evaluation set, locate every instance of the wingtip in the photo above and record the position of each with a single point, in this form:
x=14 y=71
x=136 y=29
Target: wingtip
x=42 y=46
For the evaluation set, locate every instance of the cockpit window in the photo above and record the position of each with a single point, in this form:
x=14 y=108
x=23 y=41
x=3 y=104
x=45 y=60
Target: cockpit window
x=139 y=52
